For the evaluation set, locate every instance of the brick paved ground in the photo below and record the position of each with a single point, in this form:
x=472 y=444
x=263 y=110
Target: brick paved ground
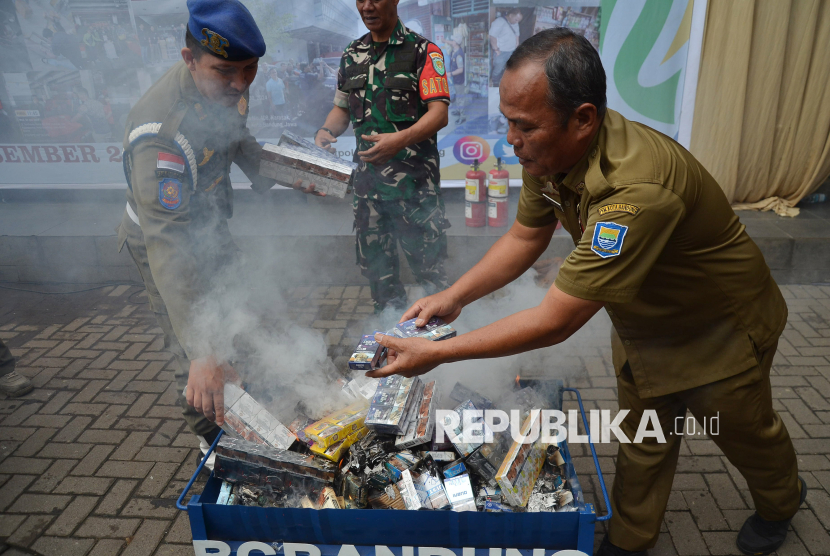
x=92 y=461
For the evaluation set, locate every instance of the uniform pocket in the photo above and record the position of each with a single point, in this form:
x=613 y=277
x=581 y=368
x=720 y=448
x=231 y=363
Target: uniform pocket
x=355 y=87
x=401 y=97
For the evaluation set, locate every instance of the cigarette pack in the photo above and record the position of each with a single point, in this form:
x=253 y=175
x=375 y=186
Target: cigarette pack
x=328 y=500
x=414 y=494
x=454 y=469
x=490 y=506
x=388 y=498
x=456 y=433
x=436 y=329
x=522 y=465
x=246 y=418
x=286 y=164
x=241 y=461
x=392 y=404
x=435 y=490
x=446 y=457
x=460 y=493
x=422 y=427
x=294 y=140
x=368 y=355
x=335 y=427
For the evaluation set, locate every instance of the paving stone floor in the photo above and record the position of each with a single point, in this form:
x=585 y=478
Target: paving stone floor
x=93 y=460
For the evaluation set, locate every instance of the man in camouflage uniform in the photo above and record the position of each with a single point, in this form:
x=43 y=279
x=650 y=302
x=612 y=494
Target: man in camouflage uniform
x=392 y=87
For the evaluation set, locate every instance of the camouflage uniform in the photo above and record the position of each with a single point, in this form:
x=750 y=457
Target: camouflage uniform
x=386 y=88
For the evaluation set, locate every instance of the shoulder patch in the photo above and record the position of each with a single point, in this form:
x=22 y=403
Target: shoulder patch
x=437 y=62
x=170 y=193
x=618 y=207
x=167 y=161
x=608 y=239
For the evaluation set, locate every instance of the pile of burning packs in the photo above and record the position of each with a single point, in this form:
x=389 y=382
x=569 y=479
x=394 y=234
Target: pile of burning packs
x=382 y=450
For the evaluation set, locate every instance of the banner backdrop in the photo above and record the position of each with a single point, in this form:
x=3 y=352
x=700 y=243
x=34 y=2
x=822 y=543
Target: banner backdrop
x=72 y=69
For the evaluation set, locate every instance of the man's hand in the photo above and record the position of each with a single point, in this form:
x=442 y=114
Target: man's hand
x=413 y=356
x=206 y=387
x=324 y=139
x=298 y=185
x=442 y=304
x=386 y=146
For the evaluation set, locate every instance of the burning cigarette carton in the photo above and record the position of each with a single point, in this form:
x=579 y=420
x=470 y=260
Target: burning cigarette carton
x=368 y=355
x=436 y=329
x=388 y=498
x=421 y=428
x=522 y=465
x=246 y=418
x=327 y=500
x=335 y=427
x=240 y=461
x=392 y=404
x=434 y=489
x=460 y=493
x=362 y=387
x=456 y=433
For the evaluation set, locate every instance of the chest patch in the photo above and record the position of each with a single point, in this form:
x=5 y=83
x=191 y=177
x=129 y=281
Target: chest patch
x=170 y=193
x=608 y=239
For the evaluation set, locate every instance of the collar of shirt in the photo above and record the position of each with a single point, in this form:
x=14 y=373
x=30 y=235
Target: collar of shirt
x=584 y=170
x=398 y=36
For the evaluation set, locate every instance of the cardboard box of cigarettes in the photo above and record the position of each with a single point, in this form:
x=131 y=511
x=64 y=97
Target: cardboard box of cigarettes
x=460 y=493
x=368 y=355
x=335 y=427
x=436 y=329
x=422 y=427
x=246 y=418
x=335 y=452
x=393 y=404
x=522 y=465
x=288 y=162
x=241 y=461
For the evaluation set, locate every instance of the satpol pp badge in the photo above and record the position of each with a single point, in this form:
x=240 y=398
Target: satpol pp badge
x=608 y=239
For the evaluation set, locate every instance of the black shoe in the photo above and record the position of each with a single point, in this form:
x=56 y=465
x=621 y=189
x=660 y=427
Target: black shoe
x=759 y=536
x=608 y=549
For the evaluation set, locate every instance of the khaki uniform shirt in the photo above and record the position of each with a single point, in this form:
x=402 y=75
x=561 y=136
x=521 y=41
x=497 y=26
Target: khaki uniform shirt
x=184 y=221
x=688 y=292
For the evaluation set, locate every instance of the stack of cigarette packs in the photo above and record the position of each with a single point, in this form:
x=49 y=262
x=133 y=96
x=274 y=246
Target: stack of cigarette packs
x=455 y=434
x=421 y=428
x=246 y=418
x=294 y=159
x=523 y=463
x=335 y=427
x=436 y=329
x=394 y=404
x=241 y=461
x=368 y=355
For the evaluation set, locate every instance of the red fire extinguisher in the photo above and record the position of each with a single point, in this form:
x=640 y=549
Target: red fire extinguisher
x=475 y=188
x=499 y=180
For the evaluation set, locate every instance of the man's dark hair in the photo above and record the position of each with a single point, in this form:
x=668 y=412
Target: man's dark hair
x=194 y=45
x=572 y=66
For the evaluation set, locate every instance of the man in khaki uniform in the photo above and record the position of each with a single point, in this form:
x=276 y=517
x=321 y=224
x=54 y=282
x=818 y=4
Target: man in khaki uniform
x=696 y=315
x=180 y=141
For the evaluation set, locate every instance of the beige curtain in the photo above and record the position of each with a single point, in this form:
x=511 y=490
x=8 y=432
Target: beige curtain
x=762 y=113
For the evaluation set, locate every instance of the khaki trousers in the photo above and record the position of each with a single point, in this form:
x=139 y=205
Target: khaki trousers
x=751 y=436
x=134 y=238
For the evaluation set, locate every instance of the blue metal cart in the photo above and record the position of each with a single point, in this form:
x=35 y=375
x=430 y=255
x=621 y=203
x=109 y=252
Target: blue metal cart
x=247 y=530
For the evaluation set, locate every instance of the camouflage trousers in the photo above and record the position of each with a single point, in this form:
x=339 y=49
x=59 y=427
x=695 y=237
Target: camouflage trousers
x=419 y=225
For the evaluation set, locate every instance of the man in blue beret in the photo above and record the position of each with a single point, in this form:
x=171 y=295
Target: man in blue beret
x=180 y=141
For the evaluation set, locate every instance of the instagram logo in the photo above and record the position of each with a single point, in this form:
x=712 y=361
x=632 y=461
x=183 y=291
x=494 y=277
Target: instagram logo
x=471 y=148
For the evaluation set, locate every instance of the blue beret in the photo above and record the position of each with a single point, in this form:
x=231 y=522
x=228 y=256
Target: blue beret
x=226 y=28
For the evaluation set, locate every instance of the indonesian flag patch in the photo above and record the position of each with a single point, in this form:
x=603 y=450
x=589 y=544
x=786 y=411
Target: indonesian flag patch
x=169 y=161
